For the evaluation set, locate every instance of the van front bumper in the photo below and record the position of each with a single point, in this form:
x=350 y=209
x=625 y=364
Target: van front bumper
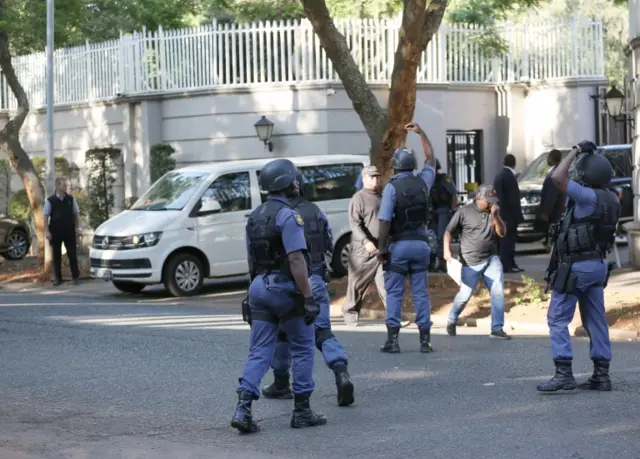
x=116 y=265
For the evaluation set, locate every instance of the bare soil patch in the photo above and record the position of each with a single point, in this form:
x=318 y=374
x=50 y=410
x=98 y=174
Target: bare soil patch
x=30 y=270
x=525 y=302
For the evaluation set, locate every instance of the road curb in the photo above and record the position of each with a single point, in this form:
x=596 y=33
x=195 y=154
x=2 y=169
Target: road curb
x=485 y=323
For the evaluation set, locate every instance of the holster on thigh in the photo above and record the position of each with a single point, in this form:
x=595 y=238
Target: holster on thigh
x=563 y=280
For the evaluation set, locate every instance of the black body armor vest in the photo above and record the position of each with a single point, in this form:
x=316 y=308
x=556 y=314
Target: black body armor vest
x=439 y=195
x=591 y=237
x=411 y=211
x=265 y=239
x=314 y=229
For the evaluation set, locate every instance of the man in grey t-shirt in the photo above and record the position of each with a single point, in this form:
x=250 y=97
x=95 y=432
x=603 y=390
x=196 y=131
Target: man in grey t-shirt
x=480 y=225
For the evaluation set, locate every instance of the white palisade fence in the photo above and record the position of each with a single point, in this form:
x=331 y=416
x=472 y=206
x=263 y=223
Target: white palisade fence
x=288 y=52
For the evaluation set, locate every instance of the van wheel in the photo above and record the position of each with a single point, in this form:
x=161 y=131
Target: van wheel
x=183 y=275
x=341 y=252
x=128 y=287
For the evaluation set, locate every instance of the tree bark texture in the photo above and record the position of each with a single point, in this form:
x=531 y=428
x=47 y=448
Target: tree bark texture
x=384 y=128
x=10 y=135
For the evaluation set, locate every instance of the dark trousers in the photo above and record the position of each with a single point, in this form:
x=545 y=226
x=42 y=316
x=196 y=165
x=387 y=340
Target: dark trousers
x=364 y=269
x=68 y=238
x=507 y=246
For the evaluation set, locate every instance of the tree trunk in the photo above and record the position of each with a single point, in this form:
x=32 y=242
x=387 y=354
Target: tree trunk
x=10 y=135
x=384 y=128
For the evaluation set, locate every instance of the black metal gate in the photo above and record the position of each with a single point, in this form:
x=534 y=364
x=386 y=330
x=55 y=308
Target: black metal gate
x=464 y=158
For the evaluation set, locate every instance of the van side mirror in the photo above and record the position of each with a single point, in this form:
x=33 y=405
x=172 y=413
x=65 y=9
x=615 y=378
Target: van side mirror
x=209 y=206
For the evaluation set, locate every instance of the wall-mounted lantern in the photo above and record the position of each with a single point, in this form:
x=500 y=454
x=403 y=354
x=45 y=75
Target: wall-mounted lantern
x=614 y=103
x=264 y=129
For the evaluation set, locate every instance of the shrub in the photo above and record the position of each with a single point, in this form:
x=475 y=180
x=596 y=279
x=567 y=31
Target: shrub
x=161 y=160
x=102 y=166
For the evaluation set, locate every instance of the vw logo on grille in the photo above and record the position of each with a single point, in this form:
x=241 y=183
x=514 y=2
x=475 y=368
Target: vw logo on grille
x=105 y=243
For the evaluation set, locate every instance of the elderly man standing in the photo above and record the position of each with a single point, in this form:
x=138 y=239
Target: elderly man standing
x=62 y=222
x=364 y=267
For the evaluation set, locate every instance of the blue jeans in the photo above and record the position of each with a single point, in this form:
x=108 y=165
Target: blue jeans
x=589 y=295
x=268 y=297
x=491 y=272
x=331 y=349
x=407 y=258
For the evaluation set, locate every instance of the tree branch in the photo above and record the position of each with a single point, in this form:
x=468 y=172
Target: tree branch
x=16 y=122
x=419 y=23
x=335 y=45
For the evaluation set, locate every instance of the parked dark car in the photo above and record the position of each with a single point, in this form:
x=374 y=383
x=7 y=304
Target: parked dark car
x=15 y=239
x=531 y=179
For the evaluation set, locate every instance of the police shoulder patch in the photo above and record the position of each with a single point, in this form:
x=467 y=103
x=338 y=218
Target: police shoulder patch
x=299 y=219
x=448 y=180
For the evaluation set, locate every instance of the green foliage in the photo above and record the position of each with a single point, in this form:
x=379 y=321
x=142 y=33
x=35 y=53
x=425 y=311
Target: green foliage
x=161 y=161
x=19 y=206
x=101 y=167
x=530 y=293
x=61 y=165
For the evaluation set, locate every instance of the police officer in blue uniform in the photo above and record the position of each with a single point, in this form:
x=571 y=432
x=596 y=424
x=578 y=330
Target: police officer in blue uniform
x=280 y=296
x=403 y=216
x=585 y=237
x=444 y=198
x=320 y=239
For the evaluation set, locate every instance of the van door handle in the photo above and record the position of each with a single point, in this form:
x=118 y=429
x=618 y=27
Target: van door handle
x=247 y=215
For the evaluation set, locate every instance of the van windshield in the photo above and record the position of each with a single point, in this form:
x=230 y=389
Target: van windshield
x=171 y=192
x=539 y=169
x=536 y=171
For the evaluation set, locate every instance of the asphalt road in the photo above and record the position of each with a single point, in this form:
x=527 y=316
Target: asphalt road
x=116 y=377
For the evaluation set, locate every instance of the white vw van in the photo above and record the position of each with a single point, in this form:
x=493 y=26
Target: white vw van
x=190 y=225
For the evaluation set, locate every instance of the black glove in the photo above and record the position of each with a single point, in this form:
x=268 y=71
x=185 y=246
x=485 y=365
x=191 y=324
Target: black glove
x=586 y=146
x=326 y=276
x=311 y=310
x=382 y=256
x=246 y=310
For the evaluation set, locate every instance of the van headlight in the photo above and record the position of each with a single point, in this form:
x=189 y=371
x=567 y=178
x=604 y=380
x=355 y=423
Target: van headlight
x=140 y=241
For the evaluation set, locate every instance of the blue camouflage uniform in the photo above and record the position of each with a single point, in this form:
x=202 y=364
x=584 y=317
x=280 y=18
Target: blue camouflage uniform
x=408 y=256
x=319 y=235
x=274 y=231
x=274 y=295
x=584 y=240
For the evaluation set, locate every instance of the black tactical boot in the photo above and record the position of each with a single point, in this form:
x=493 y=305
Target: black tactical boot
x=425 y=340
x=242 y=419
x=600 y=379
x=302 y=414
x=343 y=385
x=562 y=380
x=279 y=389
x=392 y=346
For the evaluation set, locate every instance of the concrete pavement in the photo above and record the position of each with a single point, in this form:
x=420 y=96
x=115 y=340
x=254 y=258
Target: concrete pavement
x=118 y=377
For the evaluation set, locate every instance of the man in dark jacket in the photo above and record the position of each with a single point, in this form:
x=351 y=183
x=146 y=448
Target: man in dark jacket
x=62 y=221
x=364 y=268
x=552 y=200
x=508 y=192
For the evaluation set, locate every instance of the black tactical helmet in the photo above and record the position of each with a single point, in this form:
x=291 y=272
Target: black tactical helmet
x=593 y=170
x=403 y=160
x=277 y=175
x=300 y=183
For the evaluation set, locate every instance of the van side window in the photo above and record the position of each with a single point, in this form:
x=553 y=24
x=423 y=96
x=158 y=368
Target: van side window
x=327 y=182
x=621 y=162
x=232 y=191
x=331 y=181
